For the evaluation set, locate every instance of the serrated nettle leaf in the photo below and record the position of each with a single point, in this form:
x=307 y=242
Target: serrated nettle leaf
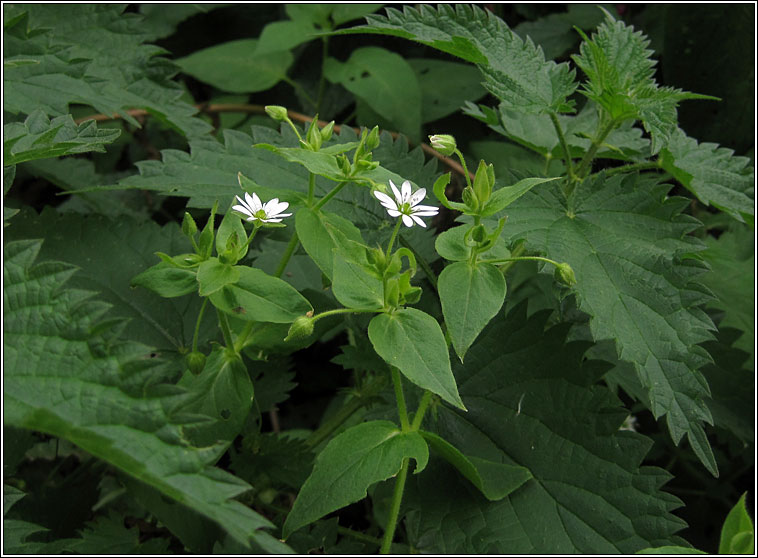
x=353 y=286
x=349 y=464
x=222 y=391
x=714 y=174
x=412 y=341
x=494 y=480
x=452 y=246
x=631 y=255
x=471 y=295
x=737 y=534
x=235 y=67
x=322 y=234
x=54 y=382
x=534 y=402
x=620 y=70
x=39 y=138
x=515 y=71
x=257 y=296
x=213 y=275
x=385 y=81
x=93 y=55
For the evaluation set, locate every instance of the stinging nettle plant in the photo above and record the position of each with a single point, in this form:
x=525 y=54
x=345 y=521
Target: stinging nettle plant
x=497 y=367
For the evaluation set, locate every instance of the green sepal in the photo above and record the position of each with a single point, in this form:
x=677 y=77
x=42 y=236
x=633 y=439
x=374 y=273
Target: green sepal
x=205 y=242
x=484 y=180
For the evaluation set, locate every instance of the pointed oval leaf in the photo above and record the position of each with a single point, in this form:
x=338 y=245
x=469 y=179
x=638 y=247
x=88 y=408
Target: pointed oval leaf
x=213 y=275
x=412 y=341
x=322 y=234
x=351 y=462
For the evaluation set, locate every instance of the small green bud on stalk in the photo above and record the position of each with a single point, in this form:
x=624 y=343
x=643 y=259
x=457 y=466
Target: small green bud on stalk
x=326 y=131
x=372 y=141
x=314 y=135
x=301 y=328
x=470 y=199
x=484 y=180
x=276 y=112
x=564 y=274
x=195 y=362
x=189 y=227
x=444 y=143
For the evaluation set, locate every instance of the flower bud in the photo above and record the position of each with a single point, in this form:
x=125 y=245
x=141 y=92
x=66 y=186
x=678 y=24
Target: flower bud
x=276 y=112
x=469 y=198
x=189 y=227
x=326 y=131
x=484 y=180
x=314 y=135
x=372 y=141
x=195 y=362
x=564 y=274
x=301 y=328
x=479 y=234
x=366 y=165
x=444 y=143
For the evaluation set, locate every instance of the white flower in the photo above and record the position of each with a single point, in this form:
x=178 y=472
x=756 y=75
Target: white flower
x=406 y=204
x=254 y=210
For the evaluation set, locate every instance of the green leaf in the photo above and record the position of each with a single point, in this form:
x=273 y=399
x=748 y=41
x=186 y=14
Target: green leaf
x=732 y=280
x=737 y=533
x=494 y=480
x=15 y=533
x=222 y=391
x=412 y=341
x=9 y=174
x=351 y=462
x=39 y=138
x=451 y=246
x=445 y=86
x=322 y=234
x=471 y=295
x=235 y=67
x=535 y=402
x=620 y=71
x=342 y=13
x=283 y=35
x=11 y=495
x=515 y=71
x=167 y=280
x=162 y=20
x=257 y=296
x=505 y=196
x=713 y=174
x=321 y=163
x=108 y=535
x=353 y=286
x=110 y=253
x=670 y=550
x=385 y=81
x=637 y=279
x=64 y=378
x=213 y=275
x=94 y=55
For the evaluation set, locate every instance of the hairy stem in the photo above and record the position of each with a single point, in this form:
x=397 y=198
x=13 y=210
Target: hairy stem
x=333 y=192
x=392 y=238
x=402 y=410
x=223 y=323
x=586 y=161
x=397 y=499
x=564 y=146
x=291 y=247
x=197 y=324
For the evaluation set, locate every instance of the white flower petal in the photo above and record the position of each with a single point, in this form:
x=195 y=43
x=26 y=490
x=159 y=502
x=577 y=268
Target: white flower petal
x=398 y=196
x=271 y=220
x=385 y=200
x=257 y=205
x=394 y=213
x=419 y=195
x=426 y=208
x=406 y=191
x=418 y=220
x=242 y=209
x=276 y=208
x=407 y=221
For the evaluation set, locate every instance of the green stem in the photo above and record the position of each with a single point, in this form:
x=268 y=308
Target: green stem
x=519 y=259
x=520 y=249
x=223 y=322
x=197 y=324
x=402 y=410
x=564 y=146
x=250 y=238
x=345 y=412
x=465 y=168
x=242 y=337
x=311 y=187
x=397 y=498
x=358 y=536
x=584 y=165
x=392 y=238
x=421 y=261
x=347 y=311
x=333 y=192
x=291 y=247
x=633 y=168
x=421 y=411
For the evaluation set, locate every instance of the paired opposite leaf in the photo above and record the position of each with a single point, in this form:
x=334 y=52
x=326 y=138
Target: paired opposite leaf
x=39 y=138
x=412 y=341
x=737 y=535
x=350 y=463
x=471 y=295
x=494 y=480
x=322 y=234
